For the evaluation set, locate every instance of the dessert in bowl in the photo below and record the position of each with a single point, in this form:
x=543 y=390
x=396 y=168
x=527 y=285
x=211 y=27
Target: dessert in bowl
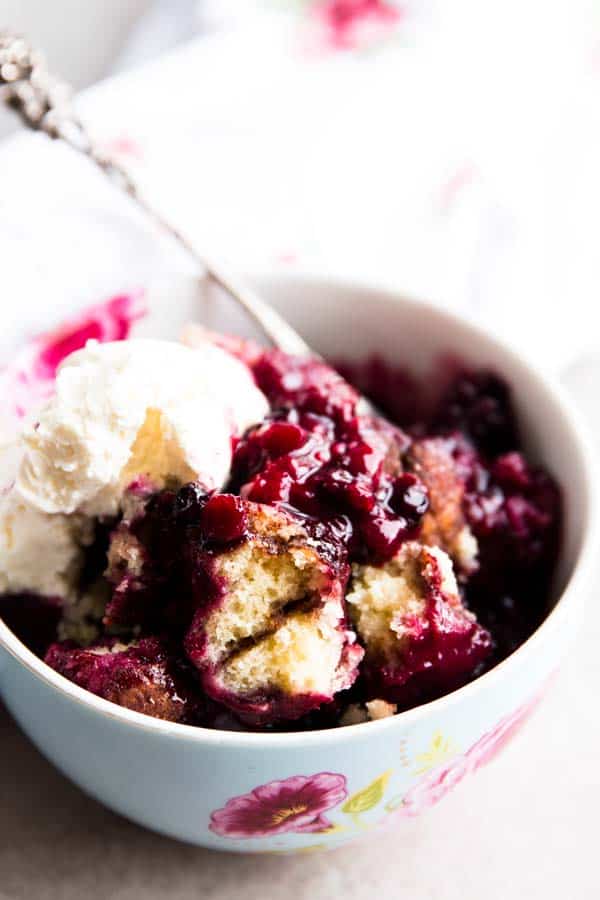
x=233 y=592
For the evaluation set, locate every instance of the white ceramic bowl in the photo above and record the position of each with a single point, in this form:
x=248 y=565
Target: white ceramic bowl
x=283 y=792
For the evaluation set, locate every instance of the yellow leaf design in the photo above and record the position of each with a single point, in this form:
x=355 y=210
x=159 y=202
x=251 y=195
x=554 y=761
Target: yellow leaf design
x=369 y=797
x=440 y=749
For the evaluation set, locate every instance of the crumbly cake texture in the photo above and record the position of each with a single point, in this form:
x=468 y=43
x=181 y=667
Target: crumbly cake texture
x=144 y=676
x=334 y=569
x=370 y=711
x=272 y=640
x=444 y=523
x=409 y=616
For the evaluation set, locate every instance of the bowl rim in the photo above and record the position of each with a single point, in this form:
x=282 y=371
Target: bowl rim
x=582 y=563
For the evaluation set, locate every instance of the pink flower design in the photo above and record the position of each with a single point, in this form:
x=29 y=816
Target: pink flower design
x=435 y=784
x=28 y=379
x=295 y=804
x=351 y=24
x=490 y=745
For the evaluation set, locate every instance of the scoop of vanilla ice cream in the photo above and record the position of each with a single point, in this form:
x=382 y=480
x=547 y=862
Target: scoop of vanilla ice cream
x=39 y=553
x=136 y=408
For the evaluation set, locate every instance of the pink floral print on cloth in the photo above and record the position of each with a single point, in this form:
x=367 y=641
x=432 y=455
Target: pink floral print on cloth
x=294 y=804
x=436 y=783
x=351 y=24
x=123 y=146
x=28 y=379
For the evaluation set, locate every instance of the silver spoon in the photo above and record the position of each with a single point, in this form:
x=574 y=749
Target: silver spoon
x=43 y=103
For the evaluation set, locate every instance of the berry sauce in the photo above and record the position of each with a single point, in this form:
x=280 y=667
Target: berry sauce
x=32 y=618
x=513 y=508
x=317 y=454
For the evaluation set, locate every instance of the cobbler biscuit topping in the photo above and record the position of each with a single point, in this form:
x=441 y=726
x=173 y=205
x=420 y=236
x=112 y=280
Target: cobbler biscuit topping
x=225 y=539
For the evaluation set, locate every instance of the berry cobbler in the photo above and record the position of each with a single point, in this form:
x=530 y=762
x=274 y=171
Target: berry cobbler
x=220 y=535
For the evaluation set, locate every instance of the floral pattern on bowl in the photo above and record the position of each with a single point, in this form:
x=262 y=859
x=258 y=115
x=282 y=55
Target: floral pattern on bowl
x=294 y=804
x=438 y=781
x=299 y=803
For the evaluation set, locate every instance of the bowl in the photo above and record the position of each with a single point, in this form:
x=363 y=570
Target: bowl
x=276 y=793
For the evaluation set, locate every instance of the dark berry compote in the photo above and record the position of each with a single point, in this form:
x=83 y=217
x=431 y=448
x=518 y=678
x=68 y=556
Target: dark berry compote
x=352 y=567
x=513 y=507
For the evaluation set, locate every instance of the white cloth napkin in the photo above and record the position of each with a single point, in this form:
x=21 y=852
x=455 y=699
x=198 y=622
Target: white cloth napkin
x=448 y=149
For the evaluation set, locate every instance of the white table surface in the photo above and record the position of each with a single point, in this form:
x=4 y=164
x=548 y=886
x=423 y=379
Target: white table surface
x=526 y=826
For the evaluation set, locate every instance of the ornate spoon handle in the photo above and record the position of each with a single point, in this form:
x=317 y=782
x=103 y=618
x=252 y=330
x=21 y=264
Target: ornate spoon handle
x=43 y=103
